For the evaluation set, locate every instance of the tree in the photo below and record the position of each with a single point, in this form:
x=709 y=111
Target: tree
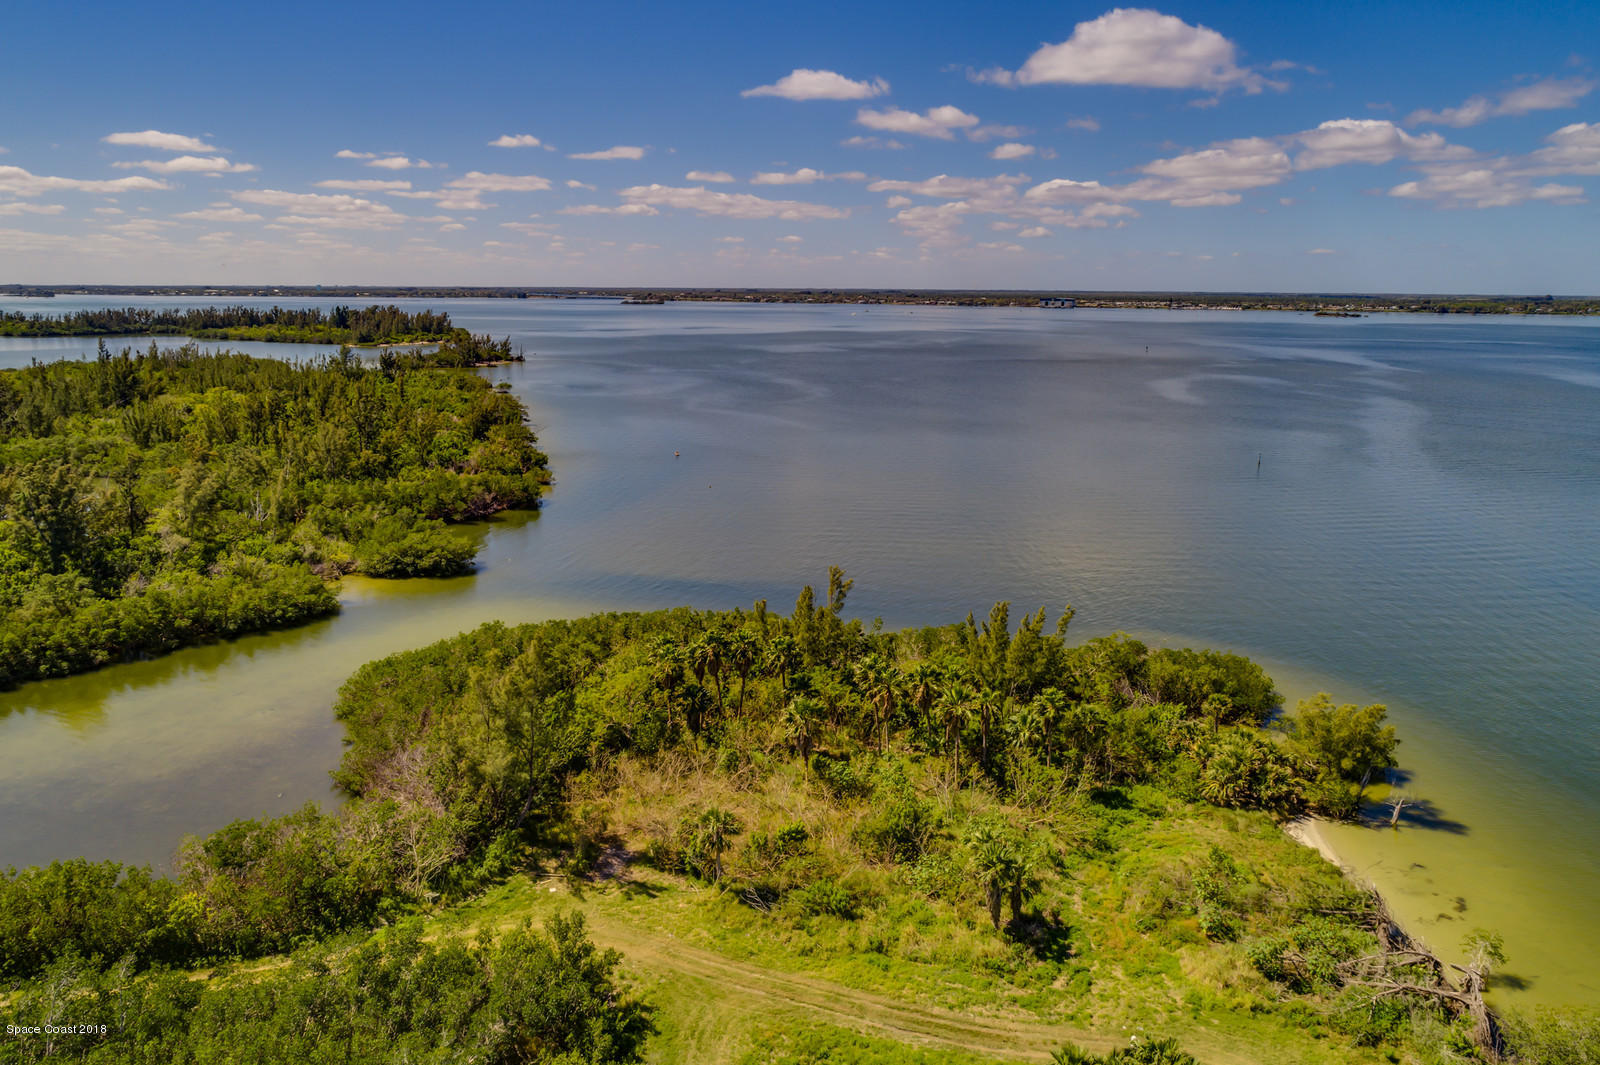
x=713 y=830
x=1051 y=708
x=881 y=685
x=1344 y=742
x=802 y=717
x=922 y=682
x=521 y=733
x=956 y=702
x=666 y=658
x=1006 y=864
x=743 y=652
x=782 y=655
x=990 y=706
x=51 y=508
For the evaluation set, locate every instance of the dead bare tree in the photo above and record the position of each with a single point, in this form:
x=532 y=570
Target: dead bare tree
x=1405 y=968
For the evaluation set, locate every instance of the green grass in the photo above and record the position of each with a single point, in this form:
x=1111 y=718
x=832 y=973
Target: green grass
x=928 y=979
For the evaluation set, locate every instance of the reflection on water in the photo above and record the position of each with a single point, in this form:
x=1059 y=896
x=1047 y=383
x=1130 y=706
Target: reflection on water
x=1419 y=532
x=23 y=351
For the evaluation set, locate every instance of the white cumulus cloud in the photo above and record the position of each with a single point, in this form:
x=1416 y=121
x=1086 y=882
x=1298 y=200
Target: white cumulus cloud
x=803 y=84
x=1482 y=186
x=222 y=212
x=15 y=181
x=622 y=209
x=1547 y=95
x=804 y=176
x=621 y=151
x=30 y=208
x=945 y=187
x=870 y=142
x=165 y=142
x=729 y=204
x=1573 y=149
x=315 y=209
x=715 y=177
x=1368 y=140
x=1136 y=46
x=1012 y=150
x=363 y=185
x=1246 y=163
x=515 y=140
x=477 y=181
x=196 y=164
x=937 y=122
x=397 y=162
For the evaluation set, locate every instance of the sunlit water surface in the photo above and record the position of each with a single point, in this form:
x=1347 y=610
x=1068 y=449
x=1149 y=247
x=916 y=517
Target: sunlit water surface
x=1420 y=531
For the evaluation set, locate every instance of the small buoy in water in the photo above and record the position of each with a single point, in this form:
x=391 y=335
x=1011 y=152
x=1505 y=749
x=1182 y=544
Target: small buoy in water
x=674 y=454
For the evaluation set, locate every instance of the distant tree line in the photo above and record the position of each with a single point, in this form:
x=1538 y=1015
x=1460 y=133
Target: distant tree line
x=310 y=325
x=1262 y=301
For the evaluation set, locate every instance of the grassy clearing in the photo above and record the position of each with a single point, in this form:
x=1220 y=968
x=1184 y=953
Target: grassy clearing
x=926 y=973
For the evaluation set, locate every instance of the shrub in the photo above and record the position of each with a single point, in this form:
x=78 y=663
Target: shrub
x=824 y=898
x=397 y=549
x=901 y=821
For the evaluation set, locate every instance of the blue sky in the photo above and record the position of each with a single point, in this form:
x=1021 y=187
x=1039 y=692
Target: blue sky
x=1220 y=146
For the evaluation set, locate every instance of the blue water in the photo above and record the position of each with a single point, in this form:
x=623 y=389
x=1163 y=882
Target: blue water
x=1396 y=508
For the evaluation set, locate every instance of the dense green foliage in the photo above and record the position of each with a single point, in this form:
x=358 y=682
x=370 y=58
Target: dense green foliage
x=476 y=735
x=152 y=501
x=983 y=800
x=526 y=998
x=308 y=325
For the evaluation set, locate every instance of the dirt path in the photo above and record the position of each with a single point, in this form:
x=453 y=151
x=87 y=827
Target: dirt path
x=711 y=1001
x=764 y=989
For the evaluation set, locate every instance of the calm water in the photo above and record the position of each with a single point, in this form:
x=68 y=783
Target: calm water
x=1421 y=531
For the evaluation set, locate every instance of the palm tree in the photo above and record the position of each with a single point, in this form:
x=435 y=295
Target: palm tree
x=782 y=655
x=922 y=688
x=801 y=718
x=880 y=685
x=956 y=699
x=697 y=655
x=1227 y=776
x=990 y=706
x=1217 y=706
x=833 y=691
x=1029 y=726
x=1053 y=705
x=666 y=670
x=743 y=651
x=1007 y=865
x=713 y=831
x=992 y=848
x=708 y=654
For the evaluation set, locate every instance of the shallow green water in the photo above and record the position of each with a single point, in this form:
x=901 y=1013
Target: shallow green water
x=1420 y=532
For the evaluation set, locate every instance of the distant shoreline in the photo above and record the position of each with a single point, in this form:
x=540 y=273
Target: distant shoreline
x=1311 y=302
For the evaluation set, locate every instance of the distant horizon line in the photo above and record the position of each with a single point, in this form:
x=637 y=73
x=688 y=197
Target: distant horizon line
x=26 y=288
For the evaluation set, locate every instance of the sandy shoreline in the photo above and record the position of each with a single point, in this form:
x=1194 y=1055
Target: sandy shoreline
x=1306 y=831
